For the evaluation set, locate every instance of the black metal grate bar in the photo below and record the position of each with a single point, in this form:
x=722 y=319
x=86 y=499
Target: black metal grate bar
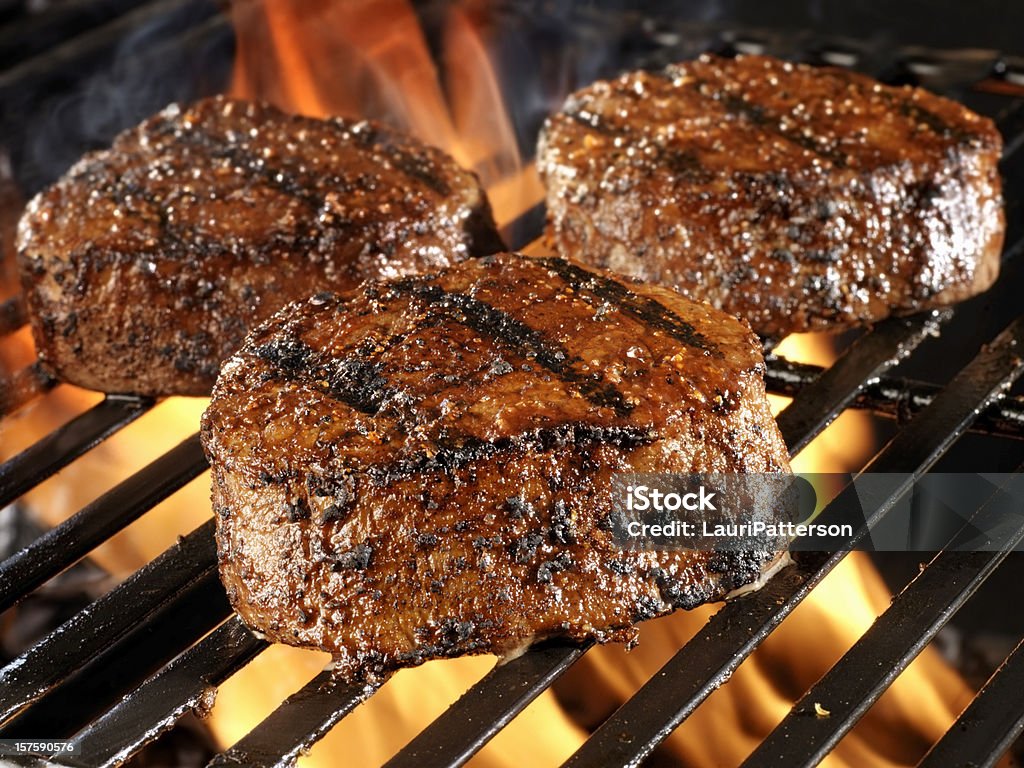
x=53 y=659
x=644 y=721
x=62 y=546
x=523 y=230
x=868 y=357
x=976 y=387
x=701 y=666
x=126 y=664
x=284 y=734
x=486 y=708
x=900 y=399
x=989 y=725
x=188 y=683
x=64 y=445
x=896 y=638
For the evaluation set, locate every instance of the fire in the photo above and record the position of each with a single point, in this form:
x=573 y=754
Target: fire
x=372 y=58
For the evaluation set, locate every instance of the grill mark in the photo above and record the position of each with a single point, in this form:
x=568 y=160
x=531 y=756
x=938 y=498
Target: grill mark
x=762 y=118
x=650 y=312
x=935 y=123
x=596 y=122
x=355 y=381
x=505 y=329
x=455 y=453
x=120 y=189
x=769 y=122
x=907 y=108
x=684 y=164
x=279 y=178
x=413 y=166
x=419 y=168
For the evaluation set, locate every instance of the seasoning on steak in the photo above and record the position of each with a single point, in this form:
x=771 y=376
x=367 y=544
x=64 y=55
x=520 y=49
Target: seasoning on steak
x=800 y=198
x=147 y=263
x=422 y=468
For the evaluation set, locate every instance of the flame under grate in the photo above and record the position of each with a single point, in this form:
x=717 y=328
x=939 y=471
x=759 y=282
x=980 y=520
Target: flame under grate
x=176 y=607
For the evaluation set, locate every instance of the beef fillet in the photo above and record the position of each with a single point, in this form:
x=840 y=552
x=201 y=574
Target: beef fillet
x=147 y=263
x=800 y=198
x=422 y=468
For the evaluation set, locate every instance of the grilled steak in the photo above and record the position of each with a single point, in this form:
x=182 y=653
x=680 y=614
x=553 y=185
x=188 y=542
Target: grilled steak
x=147 y=263
x=422 y=468
x=800 y=198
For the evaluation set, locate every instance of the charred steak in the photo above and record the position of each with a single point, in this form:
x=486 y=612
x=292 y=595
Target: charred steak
x=147 y=263
x=801 y=198
x=422 y=468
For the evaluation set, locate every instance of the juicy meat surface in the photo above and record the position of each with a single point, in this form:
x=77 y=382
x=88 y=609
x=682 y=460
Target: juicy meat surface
x=422 y=468
x=147 y=263
x=800 y=198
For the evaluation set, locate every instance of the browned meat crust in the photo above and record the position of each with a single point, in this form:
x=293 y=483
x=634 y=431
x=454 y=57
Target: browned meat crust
x=147 y=263
x=799 y=198
x=422 y=468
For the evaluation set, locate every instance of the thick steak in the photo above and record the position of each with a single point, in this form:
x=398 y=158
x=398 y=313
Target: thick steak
x=799 y=198
x=147 y=263
x=422 y=468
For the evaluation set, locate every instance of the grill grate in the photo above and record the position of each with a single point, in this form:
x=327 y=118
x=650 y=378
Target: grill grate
x=180 y=668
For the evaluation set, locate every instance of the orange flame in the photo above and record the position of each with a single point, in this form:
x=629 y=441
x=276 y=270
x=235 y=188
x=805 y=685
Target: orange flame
x=371 y=59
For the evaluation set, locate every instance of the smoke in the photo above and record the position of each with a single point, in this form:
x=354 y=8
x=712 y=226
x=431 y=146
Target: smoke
x=544 y=51
x=103 y=82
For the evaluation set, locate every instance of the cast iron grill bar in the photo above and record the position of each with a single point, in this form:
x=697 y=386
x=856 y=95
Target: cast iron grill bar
x=187 y=683
x=62 y=446
x=716 y=651
x=989 y=725
x=523 y=229
x=458 y=734
x=900 y=399
x=487 y=708
x=54 y=658
x=62 y=546
x=285 y=733
x=868 y=357
x=97 y=686
x=859 y=678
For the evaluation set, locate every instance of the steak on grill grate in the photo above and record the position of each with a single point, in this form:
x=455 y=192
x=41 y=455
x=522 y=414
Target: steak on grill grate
x=147 y=263
x=422 y=468
x=800 y=198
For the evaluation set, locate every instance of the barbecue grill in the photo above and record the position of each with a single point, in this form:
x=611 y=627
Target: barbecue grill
x=119 y=673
